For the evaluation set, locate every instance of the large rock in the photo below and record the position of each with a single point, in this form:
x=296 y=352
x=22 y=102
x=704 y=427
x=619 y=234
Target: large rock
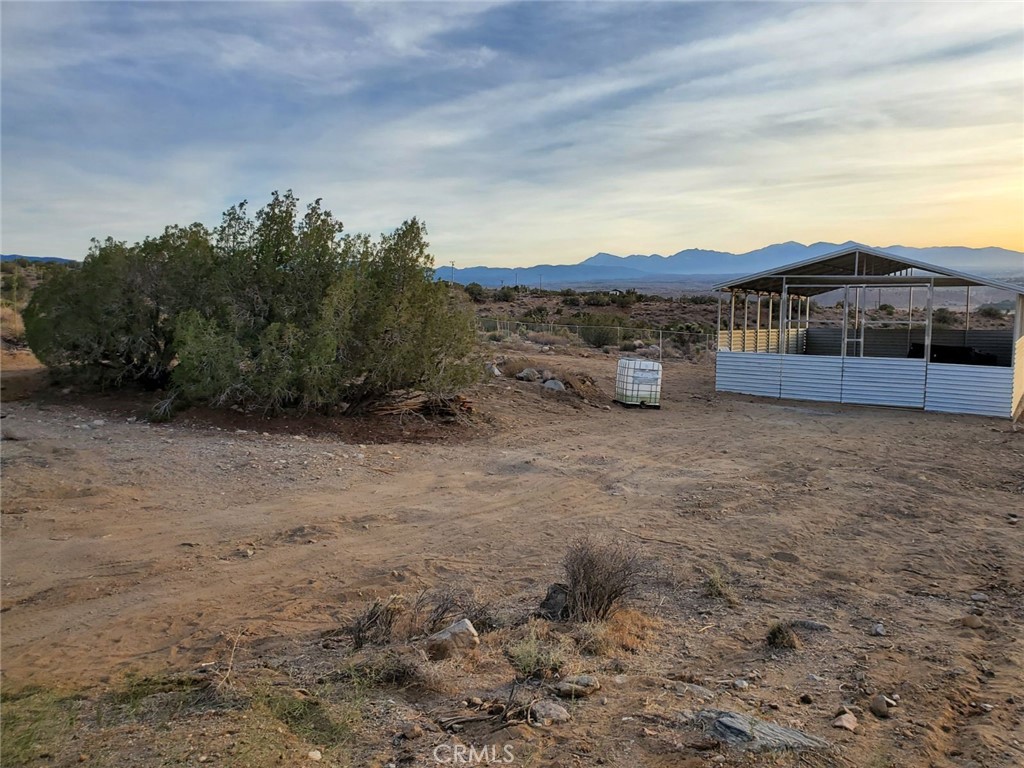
x=753 y=734
x=548 y=712
x=528 y=374
x=555 y=605
x=450 y=640
x=492 y=369
x=554 y=385
x=577 y=686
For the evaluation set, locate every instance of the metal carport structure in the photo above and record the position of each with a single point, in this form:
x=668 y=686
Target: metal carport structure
x=863 y=356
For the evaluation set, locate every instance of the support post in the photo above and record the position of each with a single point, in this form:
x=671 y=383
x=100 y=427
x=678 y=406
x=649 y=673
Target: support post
x=718 y=337
x=746 y=308
x=757 y=326
x=783 y=320
x=732 y=318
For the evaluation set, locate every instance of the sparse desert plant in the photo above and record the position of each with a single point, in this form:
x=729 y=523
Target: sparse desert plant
x=496 y=336
x=599 y=575
x=717 y=586
x=535 y=655
x=376 y=624
x=990 y=312
x=945 y=316
x=627 y=346
x=781 y=635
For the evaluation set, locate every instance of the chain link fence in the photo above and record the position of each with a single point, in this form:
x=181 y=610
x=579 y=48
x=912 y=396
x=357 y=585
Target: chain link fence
x=647 y=342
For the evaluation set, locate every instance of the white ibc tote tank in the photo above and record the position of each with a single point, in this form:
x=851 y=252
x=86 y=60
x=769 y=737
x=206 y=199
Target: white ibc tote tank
x=638 y=382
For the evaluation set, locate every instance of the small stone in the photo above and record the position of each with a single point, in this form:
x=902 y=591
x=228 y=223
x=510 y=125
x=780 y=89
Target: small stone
x=548 y=712
x=878 y=630
x=806 y=699
x=412 y=731
x=972 y=621
x=878 y=706
x=979 y=597
x=554 y=385
x=846 y=721
x=986 y=707
x=314 y=754
x=98 y=422
x=577 y=686
x=740 y=685
x=528 y=374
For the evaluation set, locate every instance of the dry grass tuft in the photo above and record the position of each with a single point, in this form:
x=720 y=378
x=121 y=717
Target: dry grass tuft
x=626 y=630
x=717 y=586
x=538 y=652
x=781 y=635
x=12 y=327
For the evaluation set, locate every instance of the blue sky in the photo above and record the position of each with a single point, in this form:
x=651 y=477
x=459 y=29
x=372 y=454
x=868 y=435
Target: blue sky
x=523 y=132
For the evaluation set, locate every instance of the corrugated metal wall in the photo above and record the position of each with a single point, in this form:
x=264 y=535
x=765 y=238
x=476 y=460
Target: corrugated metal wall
x=812 y=378
x=983 y=389
x=750 y=373
x=761 y=341
x=894 y=342
x=1018 y=376
x=884 y=381
x=977 y=389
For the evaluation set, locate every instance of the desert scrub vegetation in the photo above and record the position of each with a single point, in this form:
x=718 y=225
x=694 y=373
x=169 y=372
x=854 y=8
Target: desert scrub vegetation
x=598 y=576
x=538 y=652
x=272 y=311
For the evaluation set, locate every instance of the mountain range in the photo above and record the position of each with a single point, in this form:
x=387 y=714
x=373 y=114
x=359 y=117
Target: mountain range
x=696 y=266
x=694 y=263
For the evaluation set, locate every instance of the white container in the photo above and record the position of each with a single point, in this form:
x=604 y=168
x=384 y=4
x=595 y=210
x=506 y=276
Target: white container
x=638 y=382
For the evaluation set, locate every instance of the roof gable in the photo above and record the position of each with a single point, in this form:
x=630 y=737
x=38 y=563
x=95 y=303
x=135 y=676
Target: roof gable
x=857 y=261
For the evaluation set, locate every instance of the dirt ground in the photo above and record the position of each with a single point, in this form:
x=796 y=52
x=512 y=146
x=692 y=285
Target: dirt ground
x=230 y=546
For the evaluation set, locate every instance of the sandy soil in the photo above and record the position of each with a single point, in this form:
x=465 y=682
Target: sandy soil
x=137 y=548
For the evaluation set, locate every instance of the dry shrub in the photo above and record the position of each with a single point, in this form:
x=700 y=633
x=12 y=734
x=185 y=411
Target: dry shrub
x=377 y=623
x=12 y=327
x=599 y=575
x=781 y=635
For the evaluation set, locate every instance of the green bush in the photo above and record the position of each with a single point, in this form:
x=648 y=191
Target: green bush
x=944 y=316
x=275 y=311
x=505 y=293
x=992 y=313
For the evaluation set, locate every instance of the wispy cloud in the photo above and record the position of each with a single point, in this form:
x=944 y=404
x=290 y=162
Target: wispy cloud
x=520 y=132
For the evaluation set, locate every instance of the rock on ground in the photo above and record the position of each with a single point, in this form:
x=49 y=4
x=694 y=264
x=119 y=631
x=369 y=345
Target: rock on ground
x=554 y=606
x=554 y=385
x=847 y=721
x=577 y=686
x=528 y=374
x=444 y=644
x=753 y=734
x=548 y=712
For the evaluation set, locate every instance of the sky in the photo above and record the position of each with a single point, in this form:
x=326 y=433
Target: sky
x=522 y=133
